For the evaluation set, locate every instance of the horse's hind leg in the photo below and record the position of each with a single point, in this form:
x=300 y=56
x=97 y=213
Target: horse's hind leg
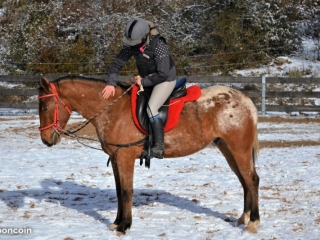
x=249 y=181
x=223 y=147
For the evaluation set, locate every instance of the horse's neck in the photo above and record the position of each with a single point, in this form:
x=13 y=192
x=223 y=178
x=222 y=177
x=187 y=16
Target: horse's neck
x=88 y=100
x=84 y=97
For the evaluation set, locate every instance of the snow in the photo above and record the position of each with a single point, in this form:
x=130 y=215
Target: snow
x=67 y=191
x=305 y=62
x=10 y=85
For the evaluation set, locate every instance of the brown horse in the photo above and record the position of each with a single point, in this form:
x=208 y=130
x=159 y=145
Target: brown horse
x=220 y=113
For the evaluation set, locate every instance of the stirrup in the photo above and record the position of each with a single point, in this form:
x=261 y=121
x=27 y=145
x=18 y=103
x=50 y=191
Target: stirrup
x=144 y=156
x=144 y=153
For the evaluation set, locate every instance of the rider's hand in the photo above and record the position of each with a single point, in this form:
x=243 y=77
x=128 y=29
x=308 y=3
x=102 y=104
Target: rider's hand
x=108 y=90
x=137 y=79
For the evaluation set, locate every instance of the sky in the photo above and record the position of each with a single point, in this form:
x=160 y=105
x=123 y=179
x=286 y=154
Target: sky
x=68 y=192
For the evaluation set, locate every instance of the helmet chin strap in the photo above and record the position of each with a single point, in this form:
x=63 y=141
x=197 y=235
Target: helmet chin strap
x=141 y=46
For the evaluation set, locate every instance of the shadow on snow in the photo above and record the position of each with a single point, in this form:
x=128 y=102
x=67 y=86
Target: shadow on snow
x=90 y=201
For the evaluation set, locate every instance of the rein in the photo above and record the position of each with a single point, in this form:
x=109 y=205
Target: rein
x=83 y=124
x=71 y=133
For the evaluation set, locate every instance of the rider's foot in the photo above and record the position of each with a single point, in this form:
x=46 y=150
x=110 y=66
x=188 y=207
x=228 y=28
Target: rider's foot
x=157 y=151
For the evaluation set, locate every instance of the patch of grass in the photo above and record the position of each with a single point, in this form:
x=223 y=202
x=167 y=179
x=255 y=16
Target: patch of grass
x=295 y=72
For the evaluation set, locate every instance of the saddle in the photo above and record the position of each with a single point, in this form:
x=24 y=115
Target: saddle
x=179 y=90
x=169 y=112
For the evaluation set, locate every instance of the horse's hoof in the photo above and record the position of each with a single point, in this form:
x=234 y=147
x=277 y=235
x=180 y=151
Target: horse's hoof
x=244 y=219
x=119 y=234
x=253 y=226
x=113 y=227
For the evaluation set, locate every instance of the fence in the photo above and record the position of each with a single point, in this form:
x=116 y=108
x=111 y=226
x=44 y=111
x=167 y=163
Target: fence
x=260 y=92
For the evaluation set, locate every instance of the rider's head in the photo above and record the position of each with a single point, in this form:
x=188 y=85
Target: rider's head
x=136 y=31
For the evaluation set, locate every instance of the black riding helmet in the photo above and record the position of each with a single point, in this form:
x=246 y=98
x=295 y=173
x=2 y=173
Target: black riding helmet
x=135 y=32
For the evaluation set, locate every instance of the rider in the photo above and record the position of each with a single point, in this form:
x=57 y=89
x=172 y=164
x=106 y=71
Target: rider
x=156 y=68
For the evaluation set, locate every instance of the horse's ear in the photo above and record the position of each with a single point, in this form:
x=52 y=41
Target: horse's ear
x=45 y=84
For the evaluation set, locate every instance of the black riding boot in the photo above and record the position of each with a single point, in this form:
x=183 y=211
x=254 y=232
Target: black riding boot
x=158 y=134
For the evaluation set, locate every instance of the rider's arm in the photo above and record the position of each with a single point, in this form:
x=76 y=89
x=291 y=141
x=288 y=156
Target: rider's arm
x=121 y=59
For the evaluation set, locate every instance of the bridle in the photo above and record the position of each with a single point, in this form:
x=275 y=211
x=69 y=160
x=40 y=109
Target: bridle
x=56 y=121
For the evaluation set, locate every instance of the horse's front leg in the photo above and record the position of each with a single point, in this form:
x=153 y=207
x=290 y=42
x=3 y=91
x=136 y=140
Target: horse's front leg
x=123 y=167
x=119 y=196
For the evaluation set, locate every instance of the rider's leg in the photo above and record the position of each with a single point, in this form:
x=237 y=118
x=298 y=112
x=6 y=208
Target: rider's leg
x=159 y=95
x=158 y=136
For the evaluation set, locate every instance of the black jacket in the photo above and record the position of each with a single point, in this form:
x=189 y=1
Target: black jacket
x=155 y=65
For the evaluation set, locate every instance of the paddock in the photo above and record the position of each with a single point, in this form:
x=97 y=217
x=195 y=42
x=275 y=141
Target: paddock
x=68 y=192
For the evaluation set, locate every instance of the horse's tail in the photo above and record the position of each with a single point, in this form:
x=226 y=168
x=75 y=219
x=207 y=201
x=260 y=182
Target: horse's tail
x=255 y=148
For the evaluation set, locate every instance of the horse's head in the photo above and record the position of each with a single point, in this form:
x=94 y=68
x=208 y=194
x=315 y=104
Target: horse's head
x=53 y=113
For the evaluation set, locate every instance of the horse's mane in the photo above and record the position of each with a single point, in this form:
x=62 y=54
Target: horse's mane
x=77 y=77
x=123 y=85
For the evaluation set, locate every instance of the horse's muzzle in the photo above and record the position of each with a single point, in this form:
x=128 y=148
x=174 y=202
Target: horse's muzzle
x=54 y=140
x=47 y=143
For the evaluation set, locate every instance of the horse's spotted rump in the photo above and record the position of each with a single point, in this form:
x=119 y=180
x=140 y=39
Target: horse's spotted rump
x=230 y=103
x=212 y=97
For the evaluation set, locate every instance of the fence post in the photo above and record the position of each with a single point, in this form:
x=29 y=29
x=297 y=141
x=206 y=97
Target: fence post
x=263 y=96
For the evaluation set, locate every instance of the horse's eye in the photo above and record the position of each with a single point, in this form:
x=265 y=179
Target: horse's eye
x=45 y=109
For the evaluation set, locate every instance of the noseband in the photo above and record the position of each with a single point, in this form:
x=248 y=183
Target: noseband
x=56 y=122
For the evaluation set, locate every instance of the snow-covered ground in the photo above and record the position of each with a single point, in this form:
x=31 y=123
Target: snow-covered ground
x=68 y=192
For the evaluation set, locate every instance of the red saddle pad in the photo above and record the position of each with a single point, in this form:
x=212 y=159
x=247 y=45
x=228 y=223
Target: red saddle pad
x=175 y=108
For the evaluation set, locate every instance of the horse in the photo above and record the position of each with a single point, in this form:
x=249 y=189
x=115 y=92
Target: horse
x=221 y=115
